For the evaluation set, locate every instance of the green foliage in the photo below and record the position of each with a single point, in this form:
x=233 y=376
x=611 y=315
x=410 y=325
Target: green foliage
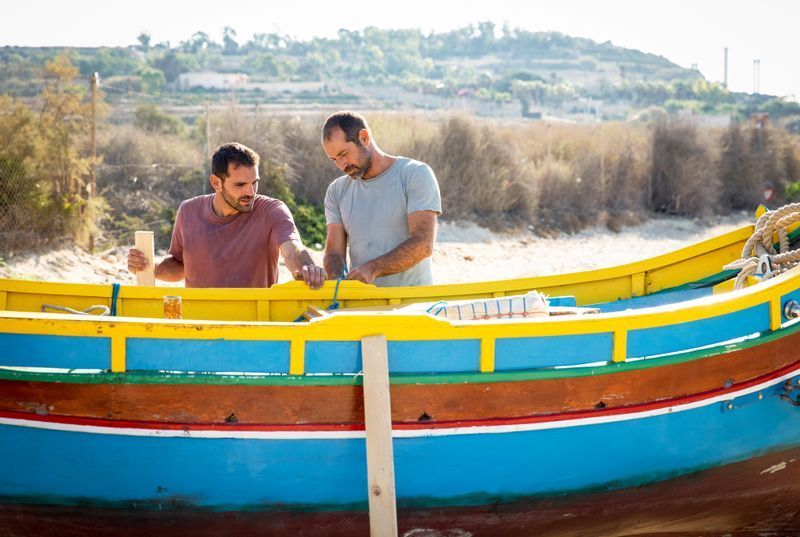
x=153 y=80
x=793 y=192
x=174 y=63
x=310 y=221
x=42 y=173
x=150 y=118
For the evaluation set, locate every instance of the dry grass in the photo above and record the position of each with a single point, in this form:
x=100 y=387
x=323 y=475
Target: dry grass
x=554 y=177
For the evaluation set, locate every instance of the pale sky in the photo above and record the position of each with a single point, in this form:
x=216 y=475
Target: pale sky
x=685 y=32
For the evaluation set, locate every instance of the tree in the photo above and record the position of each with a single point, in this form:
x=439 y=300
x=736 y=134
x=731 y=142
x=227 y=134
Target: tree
x=199 y=41
x=173 y=64
x=44 y=174
x=144 y=42
x=150 y=118
x=229 y=44
x=153 y=80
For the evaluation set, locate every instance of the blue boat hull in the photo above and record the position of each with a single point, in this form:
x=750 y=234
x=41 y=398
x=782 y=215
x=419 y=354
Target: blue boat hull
x=466 y=466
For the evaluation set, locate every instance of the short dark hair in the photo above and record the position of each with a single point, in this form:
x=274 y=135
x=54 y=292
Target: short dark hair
x=351 y=124
x=232 y=153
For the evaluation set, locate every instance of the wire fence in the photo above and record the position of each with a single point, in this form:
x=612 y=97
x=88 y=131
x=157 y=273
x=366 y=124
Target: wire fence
x=29 y=215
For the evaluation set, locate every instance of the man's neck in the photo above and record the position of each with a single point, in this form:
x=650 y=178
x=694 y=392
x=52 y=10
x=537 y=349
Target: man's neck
x=380 y=163
x=220 y=207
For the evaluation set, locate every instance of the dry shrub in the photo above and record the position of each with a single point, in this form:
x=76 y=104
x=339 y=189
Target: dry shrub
x=558 y=177
x=143 y=178
x=309 y=169
x=682 y=178
x=738 y=180
x=476 y=170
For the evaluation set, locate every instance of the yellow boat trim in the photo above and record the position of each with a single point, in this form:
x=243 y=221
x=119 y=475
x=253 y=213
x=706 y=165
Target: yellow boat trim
x=353 y=326
x=287 y=301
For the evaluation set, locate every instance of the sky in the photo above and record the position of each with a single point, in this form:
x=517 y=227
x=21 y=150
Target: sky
x=685 y=32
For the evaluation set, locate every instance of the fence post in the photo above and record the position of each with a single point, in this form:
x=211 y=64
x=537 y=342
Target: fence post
x=94 y=81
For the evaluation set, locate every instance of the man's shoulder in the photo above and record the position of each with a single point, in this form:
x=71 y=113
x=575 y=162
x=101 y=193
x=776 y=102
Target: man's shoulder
x=195 y=204
x=338 y=185
x=269 y=207
x=410 y=167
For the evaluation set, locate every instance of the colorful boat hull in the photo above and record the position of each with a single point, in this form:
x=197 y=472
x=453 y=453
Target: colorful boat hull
x=614 y=422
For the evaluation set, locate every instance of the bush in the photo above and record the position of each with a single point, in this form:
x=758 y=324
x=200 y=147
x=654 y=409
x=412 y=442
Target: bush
x=682 y=178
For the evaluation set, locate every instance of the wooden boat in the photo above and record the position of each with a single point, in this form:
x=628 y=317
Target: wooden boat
x=674 y=411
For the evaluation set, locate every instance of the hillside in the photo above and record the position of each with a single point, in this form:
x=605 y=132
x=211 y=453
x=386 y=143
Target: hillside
x=491 y=71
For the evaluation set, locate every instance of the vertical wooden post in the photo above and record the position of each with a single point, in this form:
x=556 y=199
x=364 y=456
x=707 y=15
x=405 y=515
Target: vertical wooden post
x=206 y=184
x=378 y=422
x=94 y=82
x=144 y=243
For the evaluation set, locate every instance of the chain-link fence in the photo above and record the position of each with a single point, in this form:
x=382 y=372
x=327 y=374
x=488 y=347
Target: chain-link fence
x=33 y=212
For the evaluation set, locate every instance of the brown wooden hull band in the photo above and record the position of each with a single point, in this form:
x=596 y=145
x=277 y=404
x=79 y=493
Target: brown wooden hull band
x=287 y=405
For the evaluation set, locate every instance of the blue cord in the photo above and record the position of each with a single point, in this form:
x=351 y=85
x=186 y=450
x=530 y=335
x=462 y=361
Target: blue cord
x=441 y=303
x=114 y=295
x=335 y=304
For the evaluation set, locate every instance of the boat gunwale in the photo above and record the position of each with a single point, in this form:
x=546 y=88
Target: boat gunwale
x=294 y=290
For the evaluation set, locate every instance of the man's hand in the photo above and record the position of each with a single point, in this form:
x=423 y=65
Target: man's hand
x=299 y=262
x=137 y=261
x=313 y=275
x=363 y=273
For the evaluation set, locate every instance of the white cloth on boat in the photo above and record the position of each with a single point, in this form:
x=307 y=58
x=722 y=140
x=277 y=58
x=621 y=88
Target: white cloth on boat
x=532 y=304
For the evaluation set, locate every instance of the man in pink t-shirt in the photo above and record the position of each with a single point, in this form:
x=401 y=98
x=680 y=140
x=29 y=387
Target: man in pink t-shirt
x=232 y=238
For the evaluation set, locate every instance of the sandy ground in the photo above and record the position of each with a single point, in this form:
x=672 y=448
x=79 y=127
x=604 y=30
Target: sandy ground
x=464 y=252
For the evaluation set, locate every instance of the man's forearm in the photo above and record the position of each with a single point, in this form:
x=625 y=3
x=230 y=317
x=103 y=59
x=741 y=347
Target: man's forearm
x=298 y=259
x=334 y=265
x=169 y=270
x=404 y=256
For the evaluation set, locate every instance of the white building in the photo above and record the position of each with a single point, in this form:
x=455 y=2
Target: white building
x=212 y=80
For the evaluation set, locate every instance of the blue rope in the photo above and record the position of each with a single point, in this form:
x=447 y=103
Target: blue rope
x=114 y=295
x=442 y=306
x=335 y=304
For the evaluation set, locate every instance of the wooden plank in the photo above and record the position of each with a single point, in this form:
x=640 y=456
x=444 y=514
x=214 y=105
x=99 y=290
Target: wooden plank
x=620 y=345
x=487 y=355
x=144 y=243
x=638 y=284
x=3 y=299
x=262 y=310
x=297 y=356
x=118 y=354
x=775 y=313
x=378 y=422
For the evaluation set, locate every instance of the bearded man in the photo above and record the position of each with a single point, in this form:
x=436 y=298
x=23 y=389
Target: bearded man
x=231 y=238
x=383 y=210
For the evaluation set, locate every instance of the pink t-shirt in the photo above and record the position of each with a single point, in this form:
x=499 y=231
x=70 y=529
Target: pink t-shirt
x=231 y=251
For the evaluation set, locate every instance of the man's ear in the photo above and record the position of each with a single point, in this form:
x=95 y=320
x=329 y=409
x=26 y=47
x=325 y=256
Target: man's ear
x=363 y=137
x=216 y=183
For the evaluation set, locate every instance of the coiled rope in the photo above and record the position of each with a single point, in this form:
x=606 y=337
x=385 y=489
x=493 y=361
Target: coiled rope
x=759 y=257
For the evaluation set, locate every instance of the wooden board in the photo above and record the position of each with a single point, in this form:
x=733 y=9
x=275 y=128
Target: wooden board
x=144 y=243
x=378 y=424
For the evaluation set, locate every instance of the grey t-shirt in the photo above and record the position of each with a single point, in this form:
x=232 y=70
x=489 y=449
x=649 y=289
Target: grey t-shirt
x=374 y=213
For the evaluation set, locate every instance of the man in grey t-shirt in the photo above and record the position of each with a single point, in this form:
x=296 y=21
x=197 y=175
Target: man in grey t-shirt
x=384 y=208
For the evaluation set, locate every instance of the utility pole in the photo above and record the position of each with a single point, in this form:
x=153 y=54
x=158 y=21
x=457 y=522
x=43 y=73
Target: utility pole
x=756 y=77
x=207 y=187
x=94 y=82
x=725 y=76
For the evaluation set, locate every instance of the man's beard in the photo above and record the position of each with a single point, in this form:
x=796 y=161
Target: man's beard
x=237 y=203
x=357 y=172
